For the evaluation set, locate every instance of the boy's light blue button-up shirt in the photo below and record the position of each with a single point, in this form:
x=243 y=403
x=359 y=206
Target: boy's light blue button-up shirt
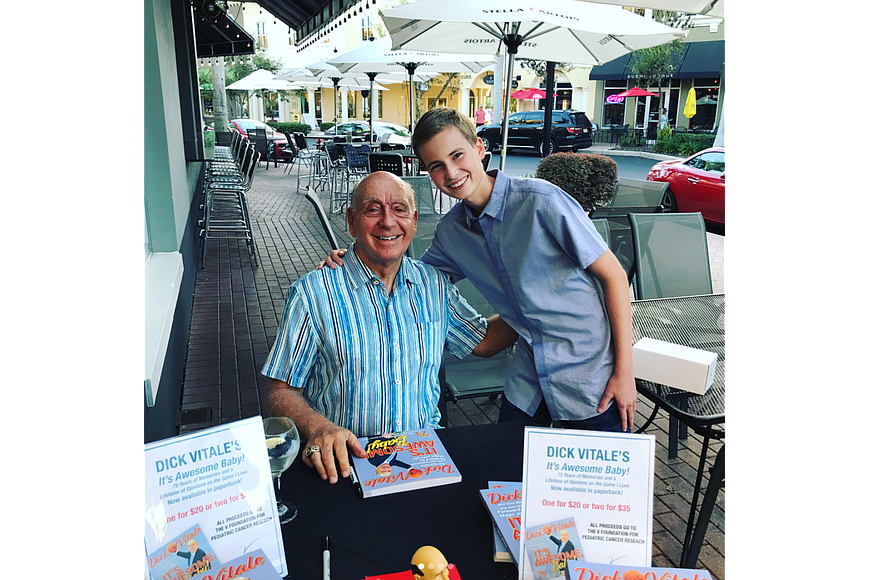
x=527 y=254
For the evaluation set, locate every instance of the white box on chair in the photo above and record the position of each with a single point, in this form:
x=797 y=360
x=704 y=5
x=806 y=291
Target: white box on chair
x=674 y=365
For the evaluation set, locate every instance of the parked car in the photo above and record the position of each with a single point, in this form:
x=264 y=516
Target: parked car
x=695 y=184
x=276 y=139
x=384 y=132
x=570 y=130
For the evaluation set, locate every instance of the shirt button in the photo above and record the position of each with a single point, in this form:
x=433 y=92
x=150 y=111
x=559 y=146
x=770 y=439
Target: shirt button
x=397 y=381
x=396 y=345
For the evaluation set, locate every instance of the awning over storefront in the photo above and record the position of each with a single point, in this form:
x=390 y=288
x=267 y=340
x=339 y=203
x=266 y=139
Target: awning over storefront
x=698 y=60
x=217 y=34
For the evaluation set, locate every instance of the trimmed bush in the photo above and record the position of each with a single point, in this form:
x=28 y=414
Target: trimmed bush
x=326 y=125
x=291 y=127
x=587 y=177
x=683 y=144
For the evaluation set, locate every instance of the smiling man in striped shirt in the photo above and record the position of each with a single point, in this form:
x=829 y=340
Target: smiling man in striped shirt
x=359 y=347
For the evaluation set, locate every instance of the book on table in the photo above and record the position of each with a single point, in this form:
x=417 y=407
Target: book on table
x=403 y=461
x=503 y=501
x=592 y=571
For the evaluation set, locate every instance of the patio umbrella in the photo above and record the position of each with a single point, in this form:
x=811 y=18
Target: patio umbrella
x=377 y=57
x=260 y=80
x=636 y=92
x=323 y=74
x=553 y=30
x=530 y=94
x=707 y=7
x=705 y=100
x=690 y=109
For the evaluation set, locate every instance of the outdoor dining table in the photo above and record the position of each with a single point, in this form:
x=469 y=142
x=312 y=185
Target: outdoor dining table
x=378 y=535
x=697 y=322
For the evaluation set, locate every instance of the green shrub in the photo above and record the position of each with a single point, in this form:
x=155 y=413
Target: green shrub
x=291 y=127
x=587 y=177
x=683 y=144
x=632 y=140
x=326 y=125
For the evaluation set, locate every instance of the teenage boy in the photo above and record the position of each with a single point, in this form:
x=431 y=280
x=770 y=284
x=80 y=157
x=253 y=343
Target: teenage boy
x=533 y=253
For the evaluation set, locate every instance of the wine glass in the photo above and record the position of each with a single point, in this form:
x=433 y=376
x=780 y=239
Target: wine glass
x=282 y=443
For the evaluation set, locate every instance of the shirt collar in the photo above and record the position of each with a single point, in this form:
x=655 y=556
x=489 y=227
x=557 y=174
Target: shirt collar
x=495 y=206
x=359 y=274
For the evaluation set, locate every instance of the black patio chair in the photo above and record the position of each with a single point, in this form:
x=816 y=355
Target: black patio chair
x=391 y=162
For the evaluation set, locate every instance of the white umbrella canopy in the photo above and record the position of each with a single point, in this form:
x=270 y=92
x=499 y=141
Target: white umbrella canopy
x=259 y=79
x=377 y=58
x=706 y=7
x=553 y=30
x=323 y=74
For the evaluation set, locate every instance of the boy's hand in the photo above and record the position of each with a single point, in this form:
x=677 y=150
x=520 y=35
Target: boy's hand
x=624 y=391
x=333 y=260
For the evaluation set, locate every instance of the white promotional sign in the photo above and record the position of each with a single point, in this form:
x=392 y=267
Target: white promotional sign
x=216 y=479
x=587 y=495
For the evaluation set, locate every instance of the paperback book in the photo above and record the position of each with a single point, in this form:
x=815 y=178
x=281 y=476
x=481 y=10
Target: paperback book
x=552 y=546
x=251 y=566
x=188 y=555
x=503 y=501
x=590 y=571
x=397 y=462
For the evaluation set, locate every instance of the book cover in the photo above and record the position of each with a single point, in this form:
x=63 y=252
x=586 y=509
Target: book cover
x=551 y=546
x=590 y=571
x=403 y=461
x=503 y=501
x=254 y=565
x=187 y=555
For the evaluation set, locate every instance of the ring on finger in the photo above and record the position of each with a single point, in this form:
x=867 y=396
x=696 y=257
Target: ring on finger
x=312 y=449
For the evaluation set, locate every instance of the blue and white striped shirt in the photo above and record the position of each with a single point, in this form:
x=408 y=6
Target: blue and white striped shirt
x=366 y=361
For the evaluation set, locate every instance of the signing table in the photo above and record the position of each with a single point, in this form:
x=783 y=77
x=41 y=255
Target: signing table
x=378 y=535
x=697 y=322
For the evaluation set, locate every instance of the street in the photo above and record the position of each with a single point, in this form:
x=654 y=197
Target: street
x=525 y=163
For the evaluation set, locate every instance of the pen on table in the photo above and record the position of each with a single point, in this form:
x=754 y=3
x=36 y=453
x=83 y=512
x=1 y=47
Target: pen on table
x=326 y=558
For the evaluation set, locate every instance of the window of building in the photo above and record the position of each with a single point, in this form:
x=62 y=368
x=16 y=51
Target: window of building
x=368 y=30
x=262 y=39
x=614 y=107
x=706 y=103
x=439 y=103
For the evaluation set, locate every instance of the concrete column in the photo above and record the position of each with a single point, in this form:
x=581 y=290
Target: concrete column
x=308 y=117
x=343 y=92
x=464 y=101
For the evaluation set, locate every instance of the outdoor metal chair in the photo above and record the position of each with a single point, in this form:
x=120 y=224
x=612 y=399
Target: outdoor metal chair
x=308 y=158
x=672 y=255
x=487 y=157
x=324 y=219
x=391 y=146
x=472 y=376
x=257 y=136
x=226 y=213
x=422 y=186
x=391 y=162
x=639 y=193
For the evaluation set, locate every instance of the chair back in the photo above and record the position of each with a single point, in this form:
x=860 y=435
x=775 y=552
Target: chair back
x=639 y=193
x=391 y=146
x=355 y=158
x=224 y=138
x=391 y=162
x=487 y=157
x=324 y=221
x=672 y=255
x=301 y=142
x=602 y=226
x=257 y=136
x=332 y=151
x=291 y=143
x=422 y=187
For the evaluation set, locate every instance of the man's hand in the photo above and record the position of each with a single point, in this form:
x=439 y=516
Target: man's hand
x=333 y=442
x=333 y=260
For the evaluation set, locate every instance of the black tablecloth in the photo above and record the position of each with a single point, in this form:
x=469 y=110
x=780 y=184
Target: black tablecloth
x=379 y=535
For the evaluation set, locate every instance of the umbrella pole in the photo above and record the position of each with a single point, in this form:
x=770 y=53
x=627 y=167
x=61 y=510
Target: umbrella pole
x=335 y=99
x=512 y=41
x=371 y=111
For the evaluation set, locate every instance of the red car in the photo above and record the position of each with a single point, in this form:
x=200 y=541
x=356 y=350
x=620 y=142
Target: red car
x=695 y=184
x=275 y=138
